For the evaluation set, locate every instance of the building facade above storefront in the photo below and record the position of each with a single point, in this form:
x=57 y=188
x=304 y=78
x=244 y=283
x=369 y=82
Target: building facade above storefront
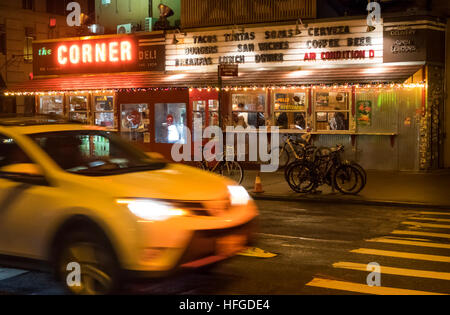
x=339 y=80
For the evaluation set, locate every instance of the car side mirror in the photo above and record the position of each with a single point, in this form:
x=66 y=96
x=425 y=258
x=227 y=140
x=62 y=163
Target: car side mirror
x=156 y=156
x=23 y=168
x=27 y=173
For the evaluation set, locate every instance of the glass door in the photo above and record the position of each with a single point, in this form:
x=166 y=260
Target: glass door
x=170 y=123
x=199 y=117
x=213 y=108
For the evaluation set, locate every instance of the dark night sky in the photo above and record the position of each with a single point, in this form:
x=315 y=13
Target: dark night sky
x=332 y=8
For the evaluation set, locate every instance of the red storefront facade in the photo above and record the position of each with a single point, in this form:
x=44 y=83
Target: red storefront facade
x=153 y=87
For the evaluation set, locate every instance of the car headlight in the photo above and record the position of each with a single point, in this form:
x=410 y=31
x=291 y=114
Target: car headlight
x=238 y=195
x=152 y=210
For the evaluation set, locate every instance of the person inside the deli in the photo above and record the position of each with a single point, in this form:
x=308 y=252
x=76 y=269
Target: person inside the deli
x=173 y=136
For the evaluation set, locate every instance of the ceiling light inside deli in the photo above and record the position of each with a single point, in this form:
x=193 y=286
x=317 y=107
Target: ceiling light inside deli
x=95 y=53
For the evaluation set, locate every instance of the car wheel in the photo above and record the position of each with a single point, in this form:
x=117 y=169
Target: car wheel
x=86 y=265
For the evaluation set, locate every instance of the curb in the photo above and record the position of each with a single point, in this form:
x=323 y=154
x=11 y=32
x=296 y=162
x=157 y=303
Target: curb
x=367 y=202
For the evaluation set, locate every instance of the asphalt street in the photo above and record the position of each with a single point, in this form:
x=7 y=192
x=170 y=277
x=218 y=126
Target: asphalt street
x=321 y=249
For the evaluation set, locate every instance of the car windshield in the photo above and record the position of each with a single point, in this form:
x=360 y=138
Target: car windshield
x=94 y=153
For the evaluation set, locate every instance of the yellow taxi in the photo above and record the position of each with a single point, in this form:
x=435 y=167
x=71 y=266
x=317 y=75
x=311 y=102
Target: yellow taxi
x=79 y=199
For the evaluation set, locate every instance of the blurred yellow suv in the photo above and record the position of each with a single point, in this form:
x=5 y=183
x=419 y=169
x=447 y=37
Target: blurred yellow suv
x=78 y=196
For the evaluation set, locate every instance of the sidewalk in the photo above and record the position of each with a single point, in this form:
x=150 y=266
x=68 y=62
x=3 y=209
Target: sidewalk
x=388 y=188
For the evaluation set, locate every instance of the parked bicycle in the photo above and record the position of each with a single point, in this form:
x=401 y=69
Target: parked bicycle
x=295 y=150
x=307 y=151
x=307 y=175
x=324 y=151
x=230 y=169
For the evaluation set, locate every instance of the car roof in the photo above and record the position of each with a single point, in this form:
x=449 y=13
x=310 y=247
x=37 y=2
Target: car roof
x=13 y=120
x=42 y=123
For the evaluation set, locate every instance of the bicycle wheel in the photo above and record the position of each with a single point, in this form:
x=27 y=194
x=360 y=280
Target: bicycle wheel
x=361 y=170
x=287 y=169
x=348 y=180
x=232 y=170
x=291 y=165
x=284 y=157
x=306 y=155
x=301 y=177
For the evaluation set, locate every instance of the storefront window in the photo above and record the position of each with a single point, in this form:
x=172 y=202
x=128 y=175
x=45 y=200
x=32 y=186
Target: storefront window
x=104 y=111
x=331 y=110
x=51 y=105
x=199 y=117
x=135 y=121
x=170 y=120
x=213 y=112
x=249 y=109
x=290 y=110
x=79 y=109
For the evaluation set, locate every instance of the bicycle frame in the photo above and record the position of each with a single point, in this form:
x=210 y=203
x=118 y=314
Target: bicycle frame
x=291 y=144
x=333 y=161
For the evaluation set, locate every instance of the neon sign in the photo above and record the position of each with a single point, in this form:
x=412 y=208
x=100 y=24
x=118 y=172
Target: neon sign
x=44 y=52
x=88 y=53
x=99 y=54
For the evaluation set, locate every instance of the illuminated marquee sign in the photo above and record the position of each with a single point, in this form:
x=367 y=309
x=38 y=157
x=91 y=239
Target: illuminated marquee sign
x=340 y=42
x=102 y=54
x=88 y=53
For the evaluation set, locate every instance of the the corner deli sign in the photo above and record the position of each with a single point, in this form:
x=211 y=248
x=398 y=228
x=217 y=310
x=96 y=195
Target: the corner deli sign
x=343 y=42
x=103 y=54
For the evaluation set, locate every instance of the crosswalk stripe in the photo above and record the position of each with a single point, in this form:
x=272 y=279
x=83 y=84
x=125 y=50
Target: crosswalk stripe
x=396 y=271
x=435 y=213
x=362 y=288
x=431 y=219
x=406 y=242
x=377 y=252
x=417 y=233
x=6 y=273
x=431 y=225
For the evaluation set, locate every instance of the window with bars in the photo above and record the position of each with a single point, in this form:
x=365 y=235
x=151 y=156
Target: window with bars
x=28 y=49
x=28 y=4
x=57 y=6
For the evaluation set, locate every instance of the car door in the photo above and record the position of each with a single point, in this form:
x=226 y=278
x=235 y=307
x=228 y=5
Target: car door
x=25 y=200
